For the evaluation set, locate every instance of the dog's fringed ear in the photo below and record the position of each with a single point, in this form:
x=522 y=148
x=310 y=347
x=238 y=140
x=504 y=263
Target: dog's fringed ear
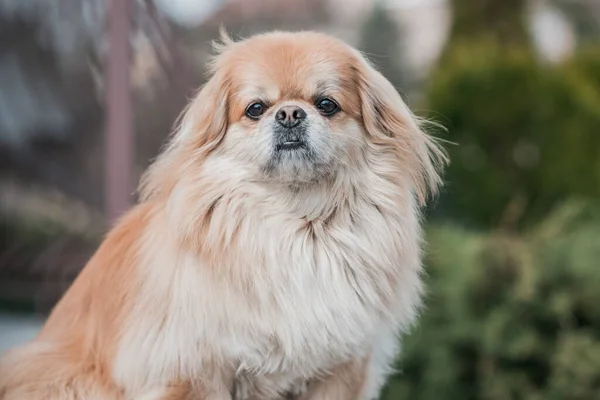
x=205 y=120
x=201 y=128
x=389 y=122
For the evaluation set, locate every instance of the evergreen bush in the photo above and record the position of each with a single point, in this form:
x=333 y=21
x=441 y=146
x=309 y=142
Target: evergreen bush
x=509 y=316
x=527 y=135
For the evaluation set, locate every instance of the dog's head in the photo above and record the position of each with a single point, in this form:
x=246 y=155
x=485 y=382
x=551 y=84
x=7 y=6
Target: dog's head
x=296 y=109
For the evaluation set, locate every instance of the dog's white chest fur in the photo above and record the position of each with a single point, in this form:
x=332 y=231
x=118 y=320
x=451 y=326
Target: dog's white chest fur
x=292 y=297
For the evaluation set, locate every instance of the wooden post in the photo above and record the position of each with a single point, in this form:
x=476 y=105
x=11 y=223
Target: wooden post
x=119 y=146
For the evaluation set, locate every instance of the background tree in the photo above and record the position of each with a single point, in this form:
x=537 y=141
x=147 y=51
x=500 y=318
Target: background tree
x=524 y=130
x=381 y=40
x=508 y=316
x=500 y=21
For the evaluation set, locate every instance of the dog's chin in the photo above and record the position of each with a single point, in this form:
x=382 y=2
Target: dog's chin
x=296 y=164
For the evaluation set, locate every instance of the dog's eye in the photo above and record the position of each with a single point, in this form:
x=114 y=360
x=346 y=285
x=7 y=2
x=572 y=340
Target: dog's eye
x=255 y=110
x=327 y=107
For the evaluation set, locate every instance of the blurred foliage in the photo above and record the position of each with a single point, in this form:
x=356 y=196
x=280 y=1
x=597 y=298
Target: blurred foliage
x=381 y=40
x=502 y=21
x=507 y=316
x=526 y=134
x=39 y=258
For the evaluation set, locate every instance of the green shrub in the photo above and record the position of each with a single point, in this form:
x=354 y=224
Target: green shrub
x=527 y=135
x=509 y=317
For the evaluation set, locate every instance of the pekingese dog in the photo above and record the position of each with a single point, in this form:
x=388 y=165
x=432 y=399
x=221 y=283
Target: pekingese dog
x=275 y=252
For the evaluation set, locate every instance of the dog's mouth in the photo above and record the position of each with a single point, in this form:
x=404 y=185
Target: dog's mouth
x=289 y=140
x=290 y=145
x=295 y=161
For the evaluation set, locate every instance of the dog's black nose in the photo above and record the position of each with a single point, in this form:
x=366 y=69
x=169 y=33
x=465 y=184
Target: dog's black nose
x=290 y=116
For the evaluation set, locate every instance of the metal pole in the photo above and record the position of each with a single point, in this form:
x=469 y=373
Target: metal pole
x=119 y=151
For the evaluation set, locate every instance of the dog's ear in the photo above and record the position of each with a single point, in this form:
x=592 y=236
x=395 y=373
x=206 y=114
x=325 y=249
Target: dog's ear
x=200 y=130
x=205 y=120
x=389 y=122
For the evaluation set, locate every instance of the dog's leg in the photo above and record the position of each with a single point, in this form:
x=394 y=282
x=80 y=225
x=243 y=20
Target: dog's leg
x=37 y=372
x=44 y=371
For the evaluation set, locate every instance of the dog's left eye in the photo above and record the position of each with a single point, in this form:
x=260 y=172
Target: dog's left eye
x=327 y=106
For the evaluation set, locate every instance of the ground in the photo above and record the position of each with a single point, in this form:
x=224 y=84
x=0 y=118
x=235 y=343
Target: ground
x=17 y=329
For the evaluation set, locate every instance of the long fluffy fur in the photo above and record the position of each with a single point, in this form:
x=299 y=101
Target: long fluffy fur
x=215 y=286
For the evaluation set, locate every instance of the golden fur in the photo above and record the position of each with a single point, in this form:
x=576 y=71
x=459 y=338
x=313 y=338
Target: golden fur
x=246 y=274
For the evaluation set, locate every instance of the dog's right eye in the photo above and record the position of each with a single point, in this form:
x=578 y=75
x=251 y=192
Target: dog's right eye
x=255 y=110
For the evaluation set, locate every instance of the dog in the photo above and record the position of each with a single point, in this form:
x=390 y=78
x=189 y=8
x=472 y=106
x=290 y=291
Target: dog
x=275 y=251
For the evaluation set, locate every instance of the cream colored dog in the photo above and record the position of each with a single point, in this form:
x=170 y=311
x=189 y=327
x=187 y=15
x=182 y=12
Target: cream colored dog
x=275 y=252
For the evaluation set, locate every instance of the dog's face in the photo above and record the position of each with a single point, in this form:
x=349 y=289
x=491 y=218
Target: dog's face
x=295 y=109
